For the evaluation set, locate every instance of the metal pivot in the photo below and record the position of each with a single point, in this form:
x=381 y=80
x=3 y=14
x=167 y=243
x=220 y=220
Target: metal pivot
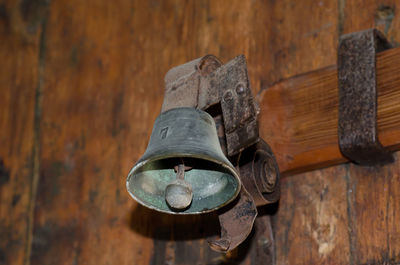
x=357 y=126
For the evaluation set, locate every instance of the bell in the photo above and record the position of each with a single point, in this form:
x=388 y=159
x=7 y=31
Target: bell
x=183 y=170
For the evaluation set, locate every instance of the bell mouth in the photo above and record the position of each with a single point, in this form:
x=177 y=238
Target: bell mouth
x=213 y=184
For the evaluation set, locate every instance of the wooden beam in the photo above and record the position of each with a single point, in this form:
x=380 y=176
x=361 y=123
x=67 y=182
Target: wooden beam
x=298 y=116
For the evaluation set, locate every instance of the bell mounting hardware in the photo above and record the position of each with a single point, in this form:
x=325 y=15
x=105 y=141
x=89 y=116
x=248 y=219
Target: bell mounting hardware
x=205 y=153
x=357 y=125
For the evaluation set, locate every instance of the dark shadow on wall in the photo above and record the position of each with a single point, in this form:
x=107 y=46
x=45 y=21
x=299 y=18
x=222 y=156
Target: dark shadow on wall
x=186 y=237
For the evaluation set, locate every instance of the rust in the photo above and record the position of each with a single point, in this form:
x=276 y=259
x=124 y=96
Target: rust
x=182 y=86
x=259 y=173
x=223 y=90
x=357 y=125
x=205 y=82
x=208 y=64
x=236 y=223
x=229 y=85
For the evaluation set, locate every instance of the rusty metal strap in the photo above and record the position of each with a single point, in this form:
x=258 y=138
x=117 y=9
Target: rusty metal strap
x=206 y=82
x=259 y=173
x=357 y=128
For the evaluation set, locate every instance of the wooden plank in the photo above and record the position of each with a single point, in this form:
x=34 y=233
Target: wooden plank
x=367 y=197
x=379 y=14
x=293 y=243
x=299 y=115
x=104 y=64
x=19 y=57
x=371 y=193
x=374 y=212
x=103 y=87
x=311 y=222
x=393 y=211
x=286 y=37
x=371 y=231
x=375 y=191
x=16 y=140
x=361 y=204
x=97 y=111
x=304 y=232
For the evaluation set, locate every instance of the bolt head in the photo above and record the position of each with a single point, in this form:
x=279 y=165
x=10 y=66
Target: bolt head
x=240 y=89
x=228 y=96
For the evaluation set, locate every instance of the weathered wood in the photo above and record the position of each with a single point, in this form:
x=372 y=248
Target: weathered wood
x=374 y=192
x=340 y=215
x=100 y=67
x=299 y=115
x=375 y=229
x=19 y=60
x=102 y=90
x=96 y=113
x=311 y=223
x=366 y=198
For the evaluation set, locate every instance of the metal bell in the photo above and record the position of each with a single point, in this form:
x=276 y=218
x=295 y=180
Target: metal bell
x=183 y=170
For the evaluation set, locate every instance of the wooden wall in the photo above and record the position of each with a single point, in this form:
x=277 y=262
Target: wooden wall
x=81 y=83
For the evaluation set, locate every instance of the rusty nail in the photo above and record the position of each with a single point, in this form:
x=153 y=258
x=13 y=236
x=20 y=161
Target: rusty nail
x=228 y=96
x=240 y=89
x=209 y=64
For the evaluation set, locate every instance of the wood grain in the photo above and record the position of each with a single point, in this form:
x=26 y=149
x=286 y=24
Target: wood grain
x=96 y=114
x=366 y=197
x=375 y=191
x=372 y=229
x=82 y=82
x=19 y=49
x=311 y=223
x=299 y=116
x=102 y=91
x=16 y=154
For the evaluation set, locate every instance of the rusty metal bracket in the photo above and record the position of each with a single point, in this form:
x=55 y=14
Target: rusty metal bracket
x=236 y=223
x=229 y=86
x=224 y=91
x=205 y=83
x=259 y=174
x=357 y=126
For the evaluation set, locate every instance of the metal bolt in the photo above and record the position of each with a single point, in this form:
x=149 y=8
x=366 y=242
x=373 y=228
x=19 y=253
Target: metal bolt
x=240 y=89
x=228 y=96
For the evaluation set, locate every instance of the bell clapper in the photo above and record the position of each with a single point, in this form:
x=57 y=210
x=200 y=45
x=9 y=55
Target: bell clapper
x=180 y=171
x=178 y=193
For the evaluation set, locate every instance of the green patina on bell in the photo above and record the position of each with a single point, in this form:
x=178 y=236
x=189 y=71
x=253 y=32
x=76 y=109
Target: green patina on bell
x=183 y=170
